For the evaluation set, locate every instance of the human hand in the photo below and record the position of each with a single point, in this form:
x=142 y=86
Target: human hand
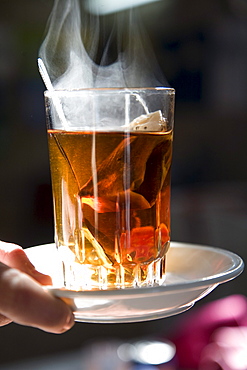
x=22 y=298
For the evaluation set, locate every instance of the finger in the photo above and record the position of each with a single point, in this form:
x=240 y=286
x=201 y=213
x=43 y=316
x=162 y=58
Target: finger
x=24 y=301
x=14 y=256
x=4 y=320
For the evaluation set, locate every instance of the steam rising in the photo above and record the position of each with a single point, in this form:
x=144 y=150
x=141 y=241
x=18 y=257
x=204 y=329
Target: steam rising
x=78 y=54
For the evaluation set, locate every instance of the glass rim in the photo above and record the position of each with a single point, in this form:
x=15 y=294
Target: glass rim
x=124 y=90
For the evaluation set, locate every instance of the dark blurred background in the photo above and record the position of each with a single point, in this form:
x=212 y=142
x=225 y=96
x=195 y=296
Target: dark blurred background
x=201 y=47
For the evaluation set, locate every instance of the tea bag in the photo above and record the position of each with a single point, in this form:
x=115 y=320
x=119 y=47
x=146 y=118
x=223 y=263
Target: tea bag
x=128 y=173
x=129 y=178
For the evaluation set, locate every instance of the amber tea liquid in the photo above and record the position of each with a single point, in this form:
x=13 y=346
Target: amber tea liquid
x=111 y=194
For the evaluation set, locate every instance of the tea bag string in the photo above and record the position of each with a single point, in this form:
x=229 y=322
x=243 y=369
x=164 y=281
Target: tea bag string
x=58 y=106
x=49 y=86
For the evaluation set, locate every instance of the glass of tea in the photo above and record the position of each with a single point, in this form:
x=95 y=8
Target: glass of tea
x=110 y=159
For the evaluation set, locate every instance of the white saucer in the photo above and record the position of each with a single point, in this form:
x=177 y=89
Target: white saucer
x=193 y=271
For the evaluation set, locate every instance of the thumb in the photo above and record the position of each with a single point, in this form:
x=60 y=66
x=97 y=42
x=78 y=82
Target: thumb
x=14 y=256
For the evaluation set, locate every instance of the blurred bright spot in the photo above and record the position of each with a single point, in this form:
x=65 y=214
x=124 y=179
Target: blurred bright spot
x=102 y=7
x=233 y=342
x=126 y=352
x=147 y=352
x=228 y=349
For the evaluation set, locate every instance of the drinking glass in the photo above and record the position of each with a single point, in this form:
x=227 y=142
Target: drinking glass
x=110 y=159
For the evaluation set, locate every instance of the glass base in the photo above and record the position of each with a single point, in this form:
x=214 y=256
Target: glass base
x=88 y=277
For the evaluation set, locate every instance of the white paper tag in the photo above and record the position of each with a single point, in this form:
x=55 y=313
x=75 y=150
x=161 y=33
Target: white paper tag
x=149 y=122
